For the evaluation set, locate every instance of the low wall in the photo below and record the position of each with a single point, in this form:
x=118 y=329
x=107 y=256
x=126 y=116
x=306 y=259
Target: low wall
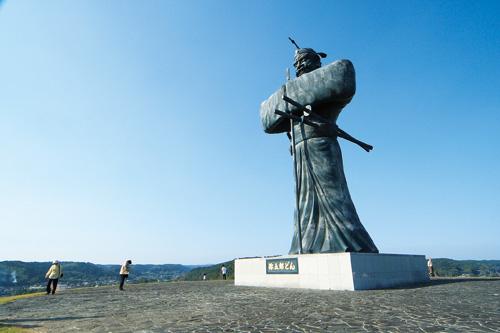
x=334 y=271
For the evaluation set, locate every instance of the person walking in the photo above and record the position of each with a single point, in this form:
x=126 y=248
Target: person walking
x=223 y=270
x=53 y=274
x=124 y=272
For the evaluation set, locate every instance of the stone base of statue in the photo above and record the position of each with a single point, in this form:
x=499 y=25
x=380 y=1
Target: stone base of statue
x=333 y=271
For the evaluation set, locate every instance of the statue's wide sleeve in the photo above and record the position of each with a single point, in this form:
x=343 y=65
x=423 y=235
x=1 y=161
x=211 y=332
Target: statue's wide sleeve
x=335 y=82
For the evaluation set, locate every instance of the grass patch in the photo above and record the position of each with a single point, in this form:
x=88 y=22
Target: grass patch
x=7 y=299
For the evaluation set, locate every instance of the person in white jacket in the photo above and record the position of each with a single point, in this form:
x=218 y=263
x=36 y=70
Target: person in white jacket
x=53 y=274
x=223 y=271
x=124 y=271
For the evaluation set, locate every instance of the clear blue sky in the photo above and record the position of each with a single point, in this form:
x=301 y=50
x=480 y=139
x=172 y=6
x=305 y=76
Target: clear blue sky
x=131 y=129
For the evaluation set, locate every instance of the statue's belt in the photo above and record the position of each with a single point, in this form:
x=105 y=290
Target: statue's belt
x=307 y=129
x=305 y=132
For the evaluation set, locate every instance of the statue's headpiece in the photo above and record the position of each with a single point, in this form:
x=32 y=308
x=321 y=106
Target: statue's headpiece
x=306 y=59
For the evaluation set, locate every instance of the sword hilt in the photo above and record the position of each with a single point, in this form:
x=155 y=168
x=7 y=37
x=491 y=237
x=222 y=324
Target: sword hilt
x=293 y=42
x=295 y=117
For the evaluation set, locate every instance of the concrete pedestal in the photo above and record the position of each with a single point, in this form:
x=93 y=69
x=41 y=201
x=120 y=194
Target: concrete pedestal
x=334 y=271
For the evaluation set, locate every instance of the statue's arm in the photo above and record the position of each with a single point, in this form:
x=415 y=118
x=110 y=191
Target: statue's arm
x=334 y=83
x=272 y=122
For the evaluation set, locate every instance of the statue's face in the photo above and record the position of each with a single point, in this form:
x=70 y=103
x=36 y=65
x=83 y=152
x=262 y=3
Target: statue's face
x=306 y=60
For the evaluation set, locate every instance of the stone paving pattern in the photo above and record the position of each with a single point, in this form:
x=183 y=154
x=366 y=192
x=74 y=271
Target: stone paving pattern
x=219 y=306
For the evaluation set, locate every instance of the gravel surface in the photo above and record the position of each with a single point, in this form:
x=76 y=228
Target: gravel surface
x=219 y=306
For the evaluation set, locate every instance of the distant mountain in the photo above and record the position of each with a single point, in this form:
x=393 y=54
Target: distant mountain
x=213 y=272
x=473 y=268
x=18 y=276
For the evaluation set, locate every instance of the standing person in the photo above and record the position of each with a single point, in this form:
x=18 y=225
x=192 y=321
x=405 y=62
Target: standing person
x=430 y=267
x=124 y=271
x=204 y=276
x=53 y=274
x=223 y=270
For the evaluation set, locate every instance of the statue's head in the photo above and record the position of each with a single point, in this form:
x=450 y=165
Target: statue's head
x=306 y=60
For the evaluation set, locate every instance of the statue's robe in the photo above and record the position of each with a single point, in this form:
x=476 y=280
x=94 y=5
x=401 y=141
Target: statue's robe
x=329 y=222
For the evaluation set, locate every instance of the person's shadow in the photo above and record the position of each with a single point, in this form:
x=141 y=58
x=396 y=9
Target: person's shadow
x=22 y=322
x=5 y=326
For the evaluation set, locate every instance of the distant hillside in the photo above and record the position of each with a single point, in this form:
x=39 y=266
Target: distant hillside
x=18 y=276
x=473 y=268
x=213 y=272
x=442 y=266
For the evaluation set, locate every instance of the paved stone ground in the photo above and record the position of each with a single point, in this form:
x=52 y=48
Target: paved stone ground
x=217 y=306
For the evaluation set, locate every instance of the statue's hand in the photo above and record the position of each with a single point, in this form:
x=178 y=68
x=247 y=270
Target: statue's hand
x=302 y=112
